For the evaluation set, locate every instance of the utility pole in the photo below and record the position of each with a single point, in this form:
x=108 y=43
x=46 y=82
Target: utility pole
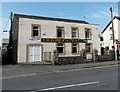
x=112 y=29
x=10 y=39
x=10 y=34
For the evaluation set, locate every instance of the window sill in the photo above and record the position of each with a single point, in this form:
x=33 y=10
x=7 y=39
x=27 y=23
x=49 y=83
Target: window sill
x=74 y=38
x=36 y=37
x=88 y=38
x=75 y=53
x=89 y=52
x=61 y=54
x=60 y=37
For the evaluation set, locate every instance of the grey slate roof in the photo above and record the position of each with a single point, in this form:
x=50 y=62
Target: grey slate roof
x=50 y=18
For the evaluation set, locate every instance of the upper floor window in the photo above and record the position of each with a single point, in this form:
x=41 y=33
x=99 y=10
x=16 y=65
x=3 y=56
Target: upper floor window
x=60 y=32
x=111 y=37
x=87 y=33
x=35 y=31
x=74 y=32
x=110 y=28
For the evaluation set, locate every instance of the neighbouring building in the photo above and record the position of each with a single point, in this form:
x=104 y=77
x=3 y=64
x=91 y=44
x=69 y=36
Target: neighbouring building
x=33 y=36
x=108 y=36
x=4 y=51
x=5 y=42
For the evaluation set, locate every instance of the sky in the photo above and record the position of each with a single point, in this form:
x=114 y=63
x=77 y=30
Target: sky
x=94 y=12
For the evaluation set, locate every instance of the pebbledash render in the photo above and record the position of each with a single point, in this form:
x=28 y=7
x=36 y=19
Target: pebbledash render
x=32 y=36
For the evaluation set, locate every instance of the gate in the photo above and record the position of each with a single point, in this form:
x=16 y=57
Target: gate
x=89 y=57
x=48 y=56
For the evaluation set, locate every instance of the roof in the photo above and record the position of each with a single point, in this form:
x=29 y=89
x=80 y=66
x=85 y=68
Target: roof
x=115 y=17
x=50 y=18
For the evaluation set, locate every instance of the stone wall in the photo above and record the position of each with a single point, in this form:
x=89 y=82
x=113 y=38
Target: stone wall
x=109 y=57
x=69 y=60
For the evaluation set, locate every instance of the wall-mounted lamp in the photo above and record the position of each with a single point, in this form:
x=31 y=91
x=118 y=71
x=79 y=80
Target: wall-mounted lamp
x=43 y=33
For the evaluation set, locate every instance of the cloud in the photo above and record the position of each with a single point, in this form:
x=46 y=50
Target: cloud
x=103 y=13
x=100 y=14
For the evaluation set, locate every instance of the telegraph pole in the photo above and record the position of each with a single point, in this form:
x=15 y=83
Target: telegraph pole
x=10 y=39
x=112 y=29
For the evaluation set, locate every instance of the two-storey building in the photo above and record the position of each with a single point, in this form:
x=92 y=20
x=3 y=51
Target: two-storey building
x=108 y=36
x=32 y=36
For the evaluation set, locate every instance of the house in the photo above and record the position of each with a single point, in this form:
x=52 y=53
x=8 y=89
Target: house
x=108 y=36
x=33 y=36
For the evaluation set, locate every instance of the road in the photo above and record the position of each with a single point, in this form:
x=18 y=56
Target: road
x=102 y=78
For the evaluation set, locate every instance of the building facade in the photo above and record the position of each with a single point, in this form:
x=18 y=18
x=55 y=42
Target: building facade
x=108 y=36
x=32 y=36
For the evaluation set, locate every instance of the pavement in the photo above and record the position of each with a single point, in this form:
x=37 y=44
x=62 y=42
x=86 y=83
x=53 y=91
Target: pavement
x=27 y=70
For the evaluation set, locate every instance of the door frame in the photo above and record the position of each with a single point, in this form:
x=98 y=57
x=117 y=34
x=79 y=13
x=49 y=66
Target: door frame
x=28 y=45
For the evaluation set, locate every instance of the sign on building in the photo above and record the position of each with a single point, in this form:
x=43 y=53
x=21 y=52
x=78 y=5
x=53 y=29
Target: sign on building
x=63 y=40
x=35 y=41
x=118 y=45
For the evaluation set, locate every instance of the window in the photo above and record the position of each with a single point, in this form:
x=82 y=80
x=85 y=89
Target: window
x=101 y=39
x=110 y=28
x=60 y=32
x=60 y=48
x=87 y=33
x=74 y=48
x=111 y=36
x=35 y=31
x=88 y=47
x=74 y=32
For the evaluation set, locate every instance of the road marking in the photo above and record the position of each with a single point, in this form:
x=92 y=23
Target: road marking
x=68 y=70
x=67 y=86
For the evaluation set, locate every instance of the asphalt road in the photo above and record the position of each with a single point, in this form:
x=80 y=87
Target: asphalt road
x=104 y=78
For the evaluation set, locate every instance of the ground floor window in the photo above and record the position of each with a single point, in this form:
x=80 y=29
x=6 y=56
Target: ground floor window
x=88 y=47
x=60 y=48
x=75 y=48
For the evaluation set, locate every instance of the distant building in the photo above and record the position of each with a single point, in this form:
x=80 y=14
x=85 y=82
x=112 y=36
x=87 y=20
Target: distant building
x=4 y=52
x=32 y=36
x=108 y=37
x=5 y=42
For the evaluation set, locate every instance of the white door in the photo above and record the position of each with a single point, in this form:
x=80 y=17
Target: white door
x=34 y=53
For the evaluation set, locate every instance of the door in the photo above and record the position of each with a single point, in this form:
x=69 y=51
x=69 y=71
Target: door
x=34 y=53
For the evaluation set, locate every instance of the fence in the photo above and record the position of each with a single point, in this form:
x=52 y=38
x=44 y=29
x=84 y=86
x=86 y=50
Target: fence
x=48 y=56
x=84 y=57
x=51 y=57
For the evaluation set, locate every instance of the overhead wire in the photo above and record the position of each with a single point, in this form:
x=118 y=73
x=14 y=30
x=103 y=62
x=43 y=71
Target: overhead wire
x=6 y=23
